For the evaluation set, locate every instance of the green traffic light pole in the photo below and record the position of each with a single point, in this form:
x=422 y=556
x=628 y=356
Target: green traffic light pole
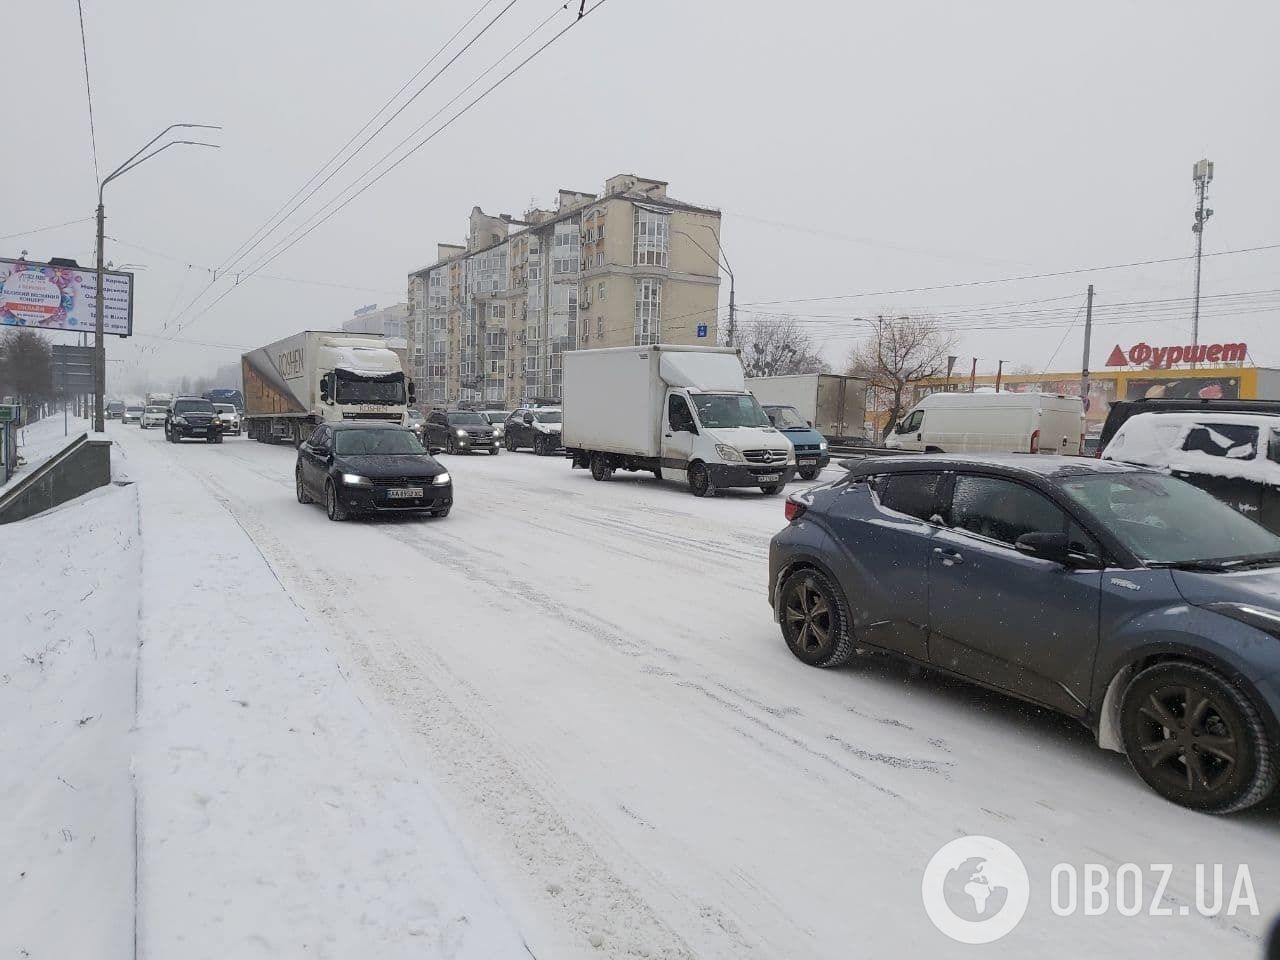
x=99 y=345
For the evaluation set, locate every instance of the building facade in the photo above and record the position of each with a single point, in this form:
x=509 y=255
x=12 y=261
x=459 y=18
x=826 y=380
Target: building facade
x=489 y=321
x=389 y=321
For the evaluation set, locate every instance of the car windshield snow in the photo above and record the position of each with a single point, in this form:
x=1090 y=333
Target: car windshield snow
x=376 y=443
x=1164 y=520
x=726 y=410
x=787 y=418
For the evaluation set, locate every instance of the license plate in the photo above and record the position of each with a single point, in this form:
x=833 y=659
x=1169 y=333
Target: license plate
x=808 y=463
x=769 y=477
x=404 y=493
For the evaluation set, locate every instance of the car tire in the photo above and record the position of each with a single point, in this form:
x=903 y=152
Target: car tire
x=494 y=451
x=509 y=442
x=657 y=473
x=700 y=482
x=451 y=446
x=333 y=507
x=300 y=488
x=809 y=473
x=600 y=468
x=1158 y=722
x=771 y=490
x=815 y=619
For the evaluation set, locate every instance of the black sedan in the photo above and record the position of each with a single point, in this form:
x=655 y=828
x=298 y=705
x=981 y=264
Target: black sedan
x=365 y=467
x=1125 y=598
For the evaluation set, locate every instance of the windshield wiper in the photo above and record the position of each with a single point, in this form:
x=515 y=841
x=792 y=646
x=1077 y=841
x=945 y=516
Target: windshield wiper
x=1200 y=566
x=1248 y=563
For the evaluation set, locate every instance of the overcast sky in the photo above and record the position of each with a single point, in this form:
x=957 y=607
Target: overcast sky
x=855 y=148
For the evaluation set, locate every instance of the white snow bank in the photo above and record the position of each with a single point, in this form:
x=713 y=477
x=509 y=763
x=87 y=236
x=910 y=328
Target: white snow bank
x=278 y=817
x=68 y=643
x=44 y=438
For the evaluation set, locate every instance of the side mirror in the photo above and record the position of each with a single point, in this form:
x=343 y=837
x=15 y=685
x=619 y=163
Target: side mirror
x=528 y=419
x=1044 y=546
x=413 y=393
x=810 y=423
x=324 y=389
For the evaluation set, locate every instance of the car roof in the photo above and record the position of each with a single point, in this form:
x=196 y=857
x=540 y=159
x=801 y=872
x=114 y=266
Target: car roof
x=1045 y=466
x=366 y=425
x=1207 y=416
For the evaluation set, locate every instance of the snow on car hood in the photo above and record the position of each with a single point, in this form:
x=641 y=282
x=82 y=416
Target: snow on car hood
x=1260 y=588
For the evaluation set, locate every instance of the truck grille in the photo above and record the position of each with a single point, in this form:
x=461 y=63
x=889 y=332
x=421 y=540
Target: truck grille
x=764 y=456
x=806 y=448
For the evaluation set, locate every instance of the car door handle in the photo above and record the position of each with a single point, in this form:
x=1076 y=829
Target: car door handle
x=667 y=435
x=949 y=557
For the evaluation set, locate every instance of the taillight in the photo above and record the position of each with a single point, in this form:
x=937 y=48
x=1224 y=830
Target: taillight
x=1035 y=442
x=793 y=508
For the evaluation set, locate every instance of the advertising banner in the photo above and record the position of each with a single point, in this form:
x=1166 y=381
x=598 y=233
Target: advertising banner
x=1184 y=388
x=1102 y=391
x=64 y=298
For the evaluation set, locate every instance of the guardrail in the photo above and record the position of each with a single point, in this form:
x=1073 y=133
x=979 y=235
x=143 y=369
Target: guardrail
x=866 y=450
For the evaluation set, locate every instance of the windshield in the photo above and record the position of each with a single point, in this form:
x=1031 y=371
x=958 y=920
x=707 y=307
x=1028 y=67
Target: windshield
x=729 y=410
x=351 y=389
x=497 y=416
x=1166 y=520
x=157 y=409
x=376 y=443
x=133 y=409
x=224 y=408
x=193 y=406
x=466 y=419
x=547 y=416
x=786 y=418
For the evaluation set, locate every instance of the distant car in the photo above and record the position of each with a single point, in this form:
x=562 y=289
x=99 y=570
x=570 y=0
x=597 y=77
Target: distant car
x=230 y=418
x=132 y=415
x=115 y=410
x=499 y=419
x=192 y=418
x=536 y=428
x=1122 y=597
x=416 y=422
x=153 y=415
x=1232 y=456
x=461 y=431
x=367 y=467
x=810 y=446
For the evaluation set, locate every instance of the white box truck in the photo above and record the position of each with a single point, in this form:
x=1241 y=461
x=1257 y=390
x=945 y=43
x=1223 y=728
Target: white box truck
x=990 y=422
x=683 y=413
x=317 y=376
x=834 y=404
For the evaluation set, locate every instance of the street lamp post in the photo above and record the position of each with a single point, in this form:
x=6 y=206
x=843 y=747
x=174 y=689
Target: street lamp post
x=721 y=261
x=99 y=344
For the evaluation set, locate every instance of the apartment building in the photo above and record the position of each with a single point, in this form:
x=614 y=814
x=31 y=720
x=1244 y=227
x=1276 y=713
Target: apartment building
x=489 y=321
x=389 y=321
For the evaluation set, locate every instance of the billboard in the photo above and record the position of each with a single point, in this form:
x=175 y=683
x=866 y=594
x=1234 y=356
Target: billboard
x=64 y=298
x=1184 y=388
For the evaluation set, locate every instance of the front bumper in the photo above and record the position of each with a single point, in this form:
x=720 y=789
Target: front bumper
x=807 y=459
x=750 y=474
x=466 y=444
x=376 y=499
x=188 y=431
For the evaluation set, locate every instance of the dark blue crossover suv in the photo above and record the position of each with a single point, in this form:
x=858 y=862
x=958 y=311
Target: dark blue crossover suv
x=1125 y=598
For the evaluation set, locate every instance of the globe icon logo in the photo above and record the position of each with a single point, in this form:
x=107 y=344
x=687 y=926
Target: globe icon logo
x=975 y=889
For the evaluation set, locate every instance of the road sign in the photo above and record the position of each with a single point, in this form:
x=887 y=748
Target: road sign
x=702 y=331
x=10 y=413
x=72 y=370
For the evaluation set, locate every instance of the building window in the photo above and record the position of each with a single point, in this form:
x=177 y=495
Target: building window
x=566 y=252
x=648 y=325
x=498 y=311
x=600 y=292
x=650 y=238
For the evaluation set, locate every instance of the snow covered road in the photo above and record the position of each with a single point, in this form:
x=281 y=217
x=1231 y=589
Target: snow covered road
x=590 y=675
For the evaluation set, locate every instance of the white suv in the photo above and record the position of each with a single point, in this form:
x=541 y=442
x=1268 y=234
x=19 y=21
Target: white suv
x=230 y=418
x=154 y=415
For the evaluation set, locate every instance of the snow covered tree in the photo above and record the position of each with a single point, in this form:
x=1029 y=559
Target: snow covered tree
x=899 y=352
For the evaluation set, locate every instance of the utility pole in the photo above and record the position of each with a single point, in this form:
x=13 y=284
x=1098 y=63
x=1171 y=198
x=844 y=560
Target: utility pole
x=999 y=373
x=1201 y=176
x=1088 y=334
x=733 y=316
x=973 y=375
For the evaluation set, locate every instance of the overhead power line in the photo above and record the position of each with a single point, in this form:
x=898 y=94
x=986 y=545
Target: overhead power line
x=88 y=92
x=52 y=226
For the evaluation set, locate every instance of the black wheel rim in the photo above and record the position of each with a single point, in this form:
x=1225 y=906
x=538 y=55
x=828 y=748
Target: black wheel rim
x=331 y=501
x=808 y=616
x=699 y=478
x=1186 y=738
x=297 y=480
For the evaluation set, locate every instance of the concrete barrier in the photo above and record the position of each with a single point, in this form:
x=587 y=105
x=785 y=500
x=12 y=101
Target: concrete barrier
x=81 y=466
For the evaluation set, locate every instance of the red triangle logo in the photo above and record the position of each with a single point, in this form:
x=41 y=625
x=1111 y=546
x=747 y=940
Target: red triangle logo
x=1117 y=358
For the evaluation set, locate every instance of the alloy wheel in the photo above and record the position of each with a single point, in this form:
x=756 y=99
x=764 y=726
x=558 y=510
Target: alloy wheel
x=1185 y=738
x=809 y=618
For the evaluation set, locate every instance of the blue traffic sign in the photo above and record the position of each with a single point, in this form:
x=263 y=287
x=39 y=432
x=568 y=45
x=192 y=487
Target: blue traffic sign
x=702 y=330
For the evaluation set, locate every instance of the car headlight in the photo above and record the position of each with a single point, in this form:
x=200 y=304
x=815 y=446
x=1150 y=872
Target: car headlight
x=1268 y=621
x=355 y=480
x=180 y=420
x=822 y=445
x=497 y=432
x=461 y=433
x=728 y=454
x=440 y=479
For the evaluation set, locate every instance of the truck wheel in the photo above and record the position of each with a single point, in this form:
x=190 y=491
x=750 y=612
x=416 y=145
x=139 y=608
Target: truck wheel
x=771 y=490
x=600 y=468
x=809 y=473
x=332 y=505
x=700 y=484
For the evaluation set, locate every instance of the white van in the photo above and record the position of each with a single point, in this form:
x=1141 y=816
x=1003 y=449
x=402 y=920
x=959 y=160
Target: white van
x=990 y=422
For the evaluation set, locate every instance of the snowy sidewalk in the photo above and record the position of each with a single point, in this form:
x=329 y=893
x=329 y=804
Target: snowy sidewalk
x=278 y=818
x=44 y=438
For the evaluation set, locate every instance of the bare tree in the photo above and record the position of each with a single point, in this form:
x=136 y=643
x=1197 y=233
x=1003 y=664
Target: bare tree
x=778 y=346
x=26 y=367
x=901 y=351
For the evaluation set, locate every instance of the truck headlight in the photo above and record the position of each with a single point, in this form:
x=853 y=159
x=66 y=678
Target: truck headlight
x=461 y=433
x=440 y=479
x=355 y=480
x=728 y=454
x=822 y=445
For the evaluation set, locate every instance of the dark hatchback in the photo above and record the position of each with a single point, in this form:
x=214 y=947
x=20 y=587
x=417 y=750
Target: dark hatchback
x=365 y=468
x=461 y=431
x=1125 y=598
x=193 y=418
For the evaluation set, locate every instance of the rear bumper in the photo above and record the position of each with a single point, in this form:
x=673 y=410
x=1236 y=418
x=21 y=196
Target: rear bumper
x=750 y=475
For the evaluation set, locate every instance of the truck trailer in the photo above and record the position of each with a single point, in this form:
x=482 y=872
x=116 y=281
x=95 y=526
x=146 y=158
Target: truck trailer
x=835 y=405
x=319 y=376
x=682 y=412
